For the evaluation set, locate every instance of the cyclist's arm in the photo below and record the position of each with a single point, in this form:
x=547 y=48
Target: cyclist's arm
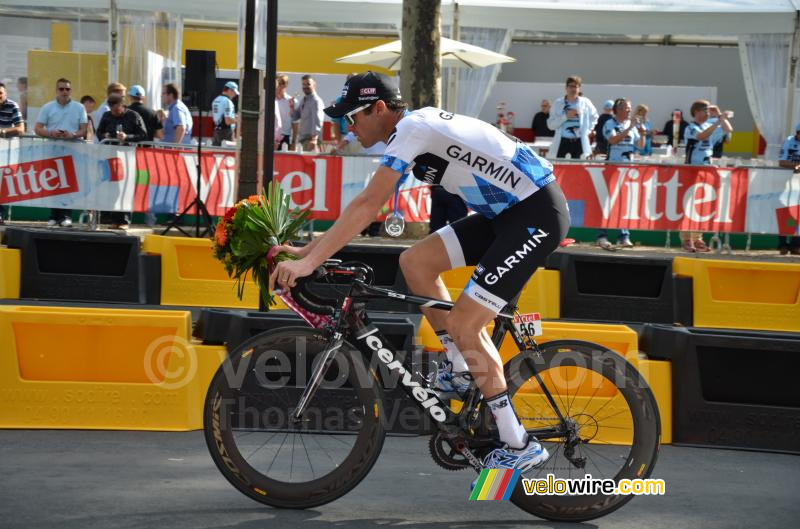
x=356 y=216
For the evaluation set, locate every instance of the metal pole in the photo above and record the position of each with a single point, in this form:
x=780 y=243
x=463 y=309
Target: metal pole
x=791 y=77
x=452 y=85
x=269 y=81
x=113 y=42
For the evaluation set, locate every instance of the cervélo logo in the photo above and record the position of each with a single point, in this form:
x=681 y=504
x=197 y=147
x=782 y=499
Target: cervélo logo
x=425 y=397
x=37 y=179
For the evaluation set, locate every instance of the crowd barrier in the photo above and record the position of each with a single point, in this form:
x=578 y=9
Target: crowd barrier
x=731 y=388
x=34 y=172
x=689 y=367
x=68 y=367
x=626 y=289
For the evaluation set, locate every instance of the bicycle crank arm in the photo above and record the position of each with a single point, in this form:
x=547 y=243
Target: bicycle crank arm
x=319 y=373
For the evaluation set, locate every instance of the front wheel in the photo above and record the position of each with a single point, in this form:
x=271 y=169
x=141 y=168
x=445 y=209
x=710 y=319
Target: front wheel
x=611 y=418
x=267 y=454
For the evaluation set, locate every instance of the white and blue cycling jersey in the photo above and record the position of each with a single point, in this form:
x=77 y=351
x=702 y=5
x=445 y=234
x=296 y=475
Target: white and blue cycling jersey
x=621 y=151
x=699 y=152
x=468 y=157
x=790 y=150
x=571 y=128
x=221 y=108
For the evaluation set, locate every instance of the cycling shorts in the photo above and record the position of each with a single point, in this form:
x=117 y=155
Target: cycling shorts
x=507 y=249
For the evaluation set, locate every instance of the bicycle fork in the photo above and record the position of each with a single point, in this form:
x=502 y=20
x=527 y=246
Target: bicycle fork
x=326 y=359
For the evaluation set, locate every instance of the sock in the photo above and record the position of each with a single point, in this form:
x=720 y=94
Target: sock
x=453 y=354
x=511 y=430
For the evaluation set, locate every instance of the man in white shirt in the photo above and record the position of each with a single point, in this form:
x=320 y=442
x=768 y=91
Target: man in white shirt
x=572 y=118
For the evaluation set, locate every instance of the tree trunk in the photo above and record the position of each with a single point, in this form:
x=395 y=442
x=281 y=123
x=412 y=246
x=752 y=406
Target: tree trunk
x=421 y=65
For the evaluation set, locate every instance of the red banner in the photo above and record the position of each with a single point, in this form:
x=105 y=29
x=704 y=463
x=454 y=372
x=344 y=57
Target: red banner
x=312 y=182
x=166 y=180
x=37 y=179
x=655 y=197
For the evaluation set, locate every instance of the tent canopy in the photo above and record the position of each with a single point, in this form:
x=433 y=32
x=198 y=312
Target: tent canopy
x=604 y=17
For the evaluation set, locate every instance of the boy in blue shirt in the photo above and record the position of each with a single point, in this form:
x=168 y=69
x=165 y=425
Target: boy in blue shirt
x=701 y=135
x=623 y=136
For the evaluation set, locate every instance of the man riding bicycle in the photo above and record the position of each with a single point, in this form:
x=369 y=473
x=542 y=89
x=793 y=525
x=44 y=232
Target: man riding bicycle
x=520 y=217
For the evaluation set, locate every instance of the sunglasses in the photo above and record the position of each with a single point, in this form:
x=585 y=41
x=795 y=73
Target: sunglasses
x=348 y=118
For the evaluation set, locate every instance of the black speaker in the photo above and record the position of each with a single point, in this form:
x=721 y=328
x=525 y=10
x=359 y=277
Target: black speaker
x=201 y=77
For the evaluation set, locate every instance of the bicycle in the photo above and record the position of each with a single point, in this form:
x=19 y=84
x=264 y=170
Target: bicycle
x=591 y=408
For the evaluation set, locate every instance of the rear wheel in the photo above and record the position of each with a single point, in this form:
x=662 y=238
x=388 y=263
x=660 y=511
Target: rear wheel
x=612 y=417
x=270 y=457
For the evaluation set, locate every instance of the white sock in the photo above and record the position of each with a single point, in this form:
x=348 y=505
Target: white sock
x=453 y=354
x=511 y=430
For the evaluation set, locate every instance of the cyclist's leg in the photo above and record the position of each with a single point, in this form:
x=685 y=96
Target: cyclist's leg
x=524 y=236
x=459 y=244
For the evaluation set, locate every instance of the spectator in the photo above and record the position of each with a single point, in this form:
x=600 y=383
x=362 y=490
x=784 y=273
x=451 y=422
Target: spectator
x=178 y=125
x=124 y=125
x=339 y=125
x=669 y=128
x=22 y=88
x=701 y=135
x=572 y=118
x=152 y=123
x=641 y=115
x=88 y=103
x=11 y=124
x=224 y=114
x=790 y=158
x=113 y=88
x=120 y=123
x=623 y=136
x=65 y=119
x=11 y=120
x=539 y=123
x=285 y=104
x=600 y=142
x=309 y=113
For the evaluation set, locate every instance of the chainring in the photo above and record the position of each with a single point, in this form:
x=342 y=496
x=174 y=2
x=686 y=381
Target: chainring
x=445 y=455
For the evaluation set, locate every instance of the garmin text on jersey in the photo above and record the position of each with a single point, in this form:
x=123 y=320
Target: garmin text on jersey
x=499 y=172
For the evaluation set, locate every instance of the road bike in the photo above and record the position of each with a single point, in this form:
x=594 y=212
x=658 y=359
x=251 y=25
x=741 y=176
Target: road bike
x=296 y=417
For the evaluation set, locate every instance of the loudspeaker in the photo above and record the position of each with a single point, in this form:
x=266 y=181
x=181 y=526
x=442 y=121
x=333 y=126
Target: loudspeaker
x=201 y=76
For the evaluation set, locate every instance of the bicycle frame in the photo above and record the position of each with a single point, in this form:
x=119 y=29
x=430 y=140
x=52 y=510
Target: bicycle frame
x=353 y=322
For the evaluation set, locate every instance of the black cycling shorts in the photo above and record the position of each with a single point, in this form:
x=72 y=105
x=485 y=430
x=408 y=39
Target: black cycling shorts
x=507 y=249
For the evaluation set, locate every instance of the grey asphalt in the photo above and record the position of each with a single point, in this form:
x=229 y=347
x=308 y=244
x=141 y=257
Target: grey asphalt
x=109 y=480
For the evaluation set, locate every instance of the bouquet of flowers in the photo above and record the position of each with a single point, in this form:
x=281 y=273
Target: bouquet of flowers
x=249 y=230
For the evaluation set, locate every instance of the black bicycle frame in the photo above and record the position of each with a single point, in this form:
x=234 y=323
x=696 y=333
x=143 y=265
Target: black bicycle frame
x=372 y=343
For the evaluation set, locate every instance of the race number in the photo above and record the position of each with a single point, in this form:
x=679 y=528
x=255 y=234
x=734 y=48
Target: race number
x=528 y=324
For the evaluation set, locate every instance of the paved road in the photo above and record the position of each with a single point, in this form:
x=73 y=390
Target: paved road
x=109 y=480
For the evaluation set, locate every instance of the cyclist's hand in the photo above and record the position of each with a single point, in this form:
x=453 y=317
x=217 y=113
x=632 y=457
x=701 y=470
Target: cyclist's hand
x=298 y=251
x=287 y=273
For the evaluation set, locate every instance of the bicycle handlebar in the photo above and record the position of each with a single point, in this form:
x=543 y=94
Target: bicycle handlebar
x=310 y=301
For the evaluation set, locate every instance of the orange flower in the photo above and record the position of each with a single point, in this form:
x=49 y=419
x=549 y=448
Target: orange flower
x=221 y=233
x=254 y=199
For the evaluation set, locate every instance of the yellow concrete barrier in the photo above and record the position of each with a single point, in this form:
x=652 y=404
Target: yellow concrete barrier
x=10 y=270
x=743 y=294
x=191 y=276
x=68 y=367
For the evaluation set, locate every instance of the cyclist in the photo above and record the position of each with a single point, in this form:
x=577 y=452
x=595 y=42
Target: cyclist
x=520 y=217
